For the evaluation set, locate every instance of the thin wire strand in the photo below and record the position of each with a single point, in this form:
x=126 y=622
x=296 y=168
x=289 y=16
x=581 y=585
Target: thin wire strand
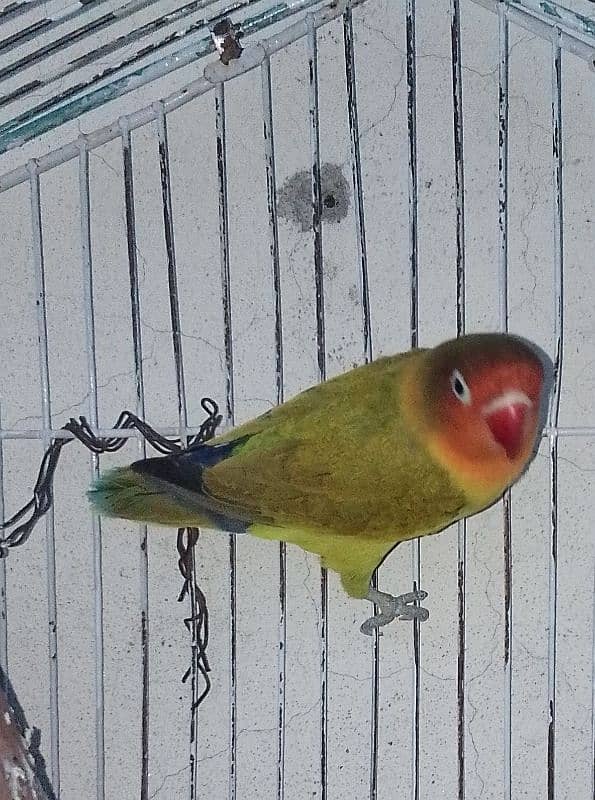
x=358 y=191
x=368 y=352
x=503 y=63
x=44 y=377
x=555 y=402
x=142 y=450
x=197 y=622
x=86 y=256
x=230 y=408
x=172 y=272
x=457 y=97
x=410 y=11
x=321 y=359
x=564 y=431
x=271 y=181
x=186 y=561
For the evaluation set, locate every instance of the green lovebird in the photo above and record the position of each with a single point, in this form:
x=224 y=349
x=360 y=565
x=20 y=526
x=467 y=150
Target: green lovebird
x=395 y=449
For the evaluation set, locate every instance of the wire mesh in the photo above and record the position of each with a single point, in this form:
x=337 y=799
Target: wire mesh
x=311 y=665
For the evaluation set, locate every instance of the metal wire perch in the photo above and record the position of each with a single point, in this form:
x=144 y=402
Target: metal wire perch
x=21 y=524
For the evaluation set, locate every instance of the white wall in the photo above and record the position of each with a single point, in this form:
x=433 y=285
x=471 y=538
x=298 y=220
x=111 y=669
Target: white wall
x=380 y=59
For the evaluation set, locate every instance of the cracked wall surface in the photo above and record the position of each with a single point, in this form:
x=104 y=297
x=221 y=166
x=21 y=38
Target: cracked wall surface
x=380 y=49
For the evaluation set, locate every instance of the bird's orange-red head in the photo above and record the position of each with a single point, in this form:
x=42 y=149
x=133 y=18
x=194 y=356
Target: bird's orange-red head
x=482 y=396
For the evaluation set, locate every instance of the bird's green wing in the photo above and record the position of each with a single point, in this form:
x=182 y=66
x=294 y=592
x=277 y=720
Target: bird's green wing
x=339 y=458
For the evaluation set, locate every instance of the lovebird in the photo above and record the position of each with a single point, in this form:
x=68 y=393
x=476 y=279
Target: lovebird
x=389 y=451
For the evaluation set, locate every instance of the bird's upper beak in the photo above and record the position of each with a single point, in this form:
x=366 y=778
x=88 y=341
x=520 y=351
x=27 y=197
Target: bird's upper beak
x=505 y=417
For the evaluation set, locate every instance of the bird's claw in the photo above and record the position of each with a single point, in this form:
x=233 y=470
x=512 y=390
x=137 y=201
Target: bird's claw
x=390 y=608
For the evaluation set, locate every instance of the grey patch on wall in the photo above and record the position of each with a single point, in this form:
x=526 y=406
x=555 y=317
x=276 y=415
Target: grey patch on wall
x=294 y=201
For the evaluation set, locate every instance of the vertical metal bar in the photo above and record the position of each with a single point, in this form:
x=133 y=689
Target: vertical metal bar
x=412 y=168
x=555 y=401
x=3 y=609
x=321 y=356
x=503 y=59
x=172 y=273
x=229 y=399
x=269 y=146
x=142 y=450
x=356 y=174
x=271 y=180
x=46 y=416
x=410 y=10
x=87 y=264
x=368 y=353
x=316 y=196
x=224 y=247
x=176 y=326
x=457 y=97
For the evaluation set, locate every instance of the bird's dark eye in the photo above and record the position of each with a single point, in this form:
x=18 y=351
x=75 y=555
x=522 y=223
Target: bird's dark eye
x=460 y=388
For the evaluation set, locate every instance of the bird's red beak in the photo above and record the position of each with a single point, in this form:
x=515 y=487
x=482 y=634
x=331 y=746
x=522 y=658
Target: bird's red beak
x=507 y=425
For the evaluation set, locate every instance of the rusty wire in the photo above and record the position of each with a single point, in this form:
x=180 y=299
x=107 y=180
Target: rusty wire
x=43 y=497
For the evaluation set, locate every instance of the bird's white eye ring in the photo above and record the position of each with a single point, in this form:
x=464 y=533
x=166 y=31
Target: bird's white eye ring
x=460 y=388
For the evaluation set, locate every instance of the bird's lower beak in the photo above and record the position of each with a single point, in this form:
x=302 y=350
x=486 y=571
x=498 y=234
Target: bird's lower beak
x=507 y=425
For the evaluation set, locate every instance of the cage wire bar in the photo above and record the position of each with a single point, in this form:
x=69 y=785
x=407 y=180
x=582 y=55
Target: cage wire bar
x=59 y=17
x=91 y=93
x=503 y=71
x=53 y=47
x=94 y=92
x=271 y=183
x=368 y=350
x=177 y=347
x=230 y=407
x=46 y=415
x=411 y=56
x=558 y=228
x=13 y=10
x=459 y=176
x=321 y=362
x=214 y=78
x=86 y=250
x=139 y=384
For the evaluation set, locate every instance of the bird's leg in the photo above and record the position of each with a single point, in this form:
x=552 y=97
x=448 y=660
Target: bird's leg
x=391 y=608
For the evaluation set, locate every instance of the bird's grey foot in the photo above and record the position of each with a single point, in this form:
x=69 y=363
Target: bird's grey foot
x=391 y=608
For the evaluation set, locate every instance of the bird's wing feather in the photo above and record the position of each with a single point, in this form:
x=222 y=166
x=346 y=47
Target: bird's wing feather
x=340 y=457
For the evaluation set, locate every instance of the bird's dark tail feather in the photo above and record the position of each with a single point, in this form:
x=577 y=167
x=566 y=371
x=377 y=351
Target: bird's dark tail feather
x=124 y=492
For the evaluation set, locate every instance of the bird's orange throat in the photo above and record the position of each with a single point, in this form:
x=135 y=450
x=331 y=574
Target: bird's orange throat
x=482 y=481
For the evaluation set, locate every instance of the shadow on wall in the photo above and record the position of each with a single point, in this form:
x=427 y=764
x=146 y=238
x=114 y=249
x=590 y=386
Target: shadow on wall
x=294 y=201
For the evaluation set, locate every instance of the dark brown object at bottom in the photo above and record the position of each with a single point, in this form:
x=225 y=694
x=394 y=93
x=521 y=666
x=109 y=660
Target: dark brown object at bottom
x=22 y=771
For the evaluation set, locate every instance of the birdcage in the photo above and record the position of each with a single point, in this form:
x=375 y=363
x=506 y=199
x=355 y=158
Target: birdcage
x=235 y=201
